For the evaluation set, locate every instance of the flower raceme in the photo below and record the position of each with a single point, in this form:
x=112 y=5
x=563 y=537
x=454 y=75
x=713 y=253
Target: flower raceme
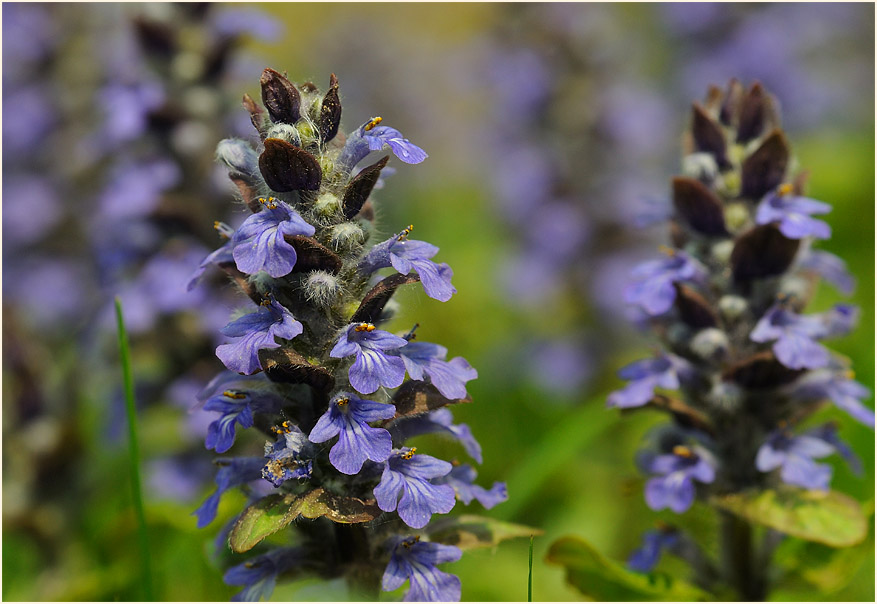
x=313 y=369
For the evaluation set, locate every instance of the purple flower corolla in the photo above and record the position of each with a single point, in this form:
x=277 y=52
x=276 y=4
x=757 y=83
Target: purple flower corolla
x=256 y=331
x=794 y=337
x=259 y=574
x=259 y=243
x=795 y=455
x=793 y=213
x=831 y=268
x=414 y=560
x=449 y=377
x=232 y=472
x=646 y=556
x=348 y=417
x=644 y=377
x=652 y=289
x=288 y=458
x=406 y=255
x=127 y=108
x=438 y=421
x=135 y=189
x=31 y=210
x=236 y=407
x=674 y=488
x=828 y=433
x=462 y=479
x=839 y=387
x=371 y=137
x=234 y=22
x=839 y=320
x=410 y=473
x=373 y=367
x=222 y=255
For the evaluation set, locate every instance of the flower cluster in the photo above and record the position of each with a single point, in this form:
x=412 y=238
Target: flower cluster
x=313 y=370
x=727 y=303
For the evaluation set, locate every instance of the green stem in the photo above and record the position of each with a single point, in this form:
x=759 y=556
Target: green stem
x=743 y=570
x=134 y=452
x=530 y=574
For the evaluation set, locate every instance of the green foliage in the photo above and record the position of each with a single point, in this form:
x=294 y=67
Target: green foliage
x=830 y=518
x=602 y=579
x=471 y=532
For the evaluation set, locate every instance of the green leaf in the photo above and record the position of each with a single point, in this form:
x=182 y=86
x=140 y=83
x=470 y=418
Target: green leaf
x=830 y=517
x=471 y=532
x=602 y=579
x=274 y=512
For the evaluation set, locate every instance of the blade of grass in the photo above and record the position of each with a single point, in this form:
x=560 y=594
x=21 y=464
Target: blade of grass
x=134 y=452
x=530 y=575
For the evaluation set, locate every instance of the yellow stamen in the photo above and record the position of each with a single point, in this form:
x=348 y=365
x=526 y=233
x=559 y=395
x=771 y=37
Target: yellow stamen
x=682 y=451
x=364 y=327
x=374 y=122
x=667 y=250
x=234 y=394
x=270 y=203
x=409 y=454
x=850 y=374
x=342 y=401
x=409 y=542
x=405 y=232
x=785 y=189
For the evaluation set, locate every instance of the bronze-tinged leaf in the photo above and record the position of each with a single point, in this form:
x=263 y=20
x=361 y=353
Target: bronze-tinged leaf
x=415 y=397
x=473 y=532
x=247 y=191
x=241 y=280
x=694 y=310
x=757 y=114
x=373 y=303
x=713 y=101
x=257 y=115
x=330 y=112
x=761 y=371
x=280 y=97
x=799 y=184
x=762 y=252
x=286 y=365
x=699 y=206
x=313 y=255
x=337 y=508
x=708 y=135
x=684 y=415
x=678 y=234
x=358 y=190
x=285 y=167
x=729 y=113
x=765 y=169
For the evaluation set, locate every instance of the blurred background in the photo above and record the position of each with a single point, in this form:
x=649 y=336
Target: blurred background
x=552 y=131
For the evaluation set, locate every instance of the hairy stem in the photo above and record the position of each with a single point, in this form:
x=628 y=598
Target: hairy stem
x=743 y=569
x=363 y=577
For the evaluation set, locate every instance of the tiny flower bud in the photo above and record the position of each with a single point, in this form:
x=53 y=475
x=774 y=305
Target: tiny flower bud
x=322 y=288
x=732 y=307
x=327 y=204
x=710 y=344
x=722 y=251
x=346 y=235
x=285 y=132
x=700 y=166
x=238 y=156
x=726 y=396
x=736 y=216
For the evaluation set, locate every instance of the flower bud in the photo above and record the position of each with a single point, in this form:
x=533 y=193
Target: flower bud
x=238 y=156
x=710 y=344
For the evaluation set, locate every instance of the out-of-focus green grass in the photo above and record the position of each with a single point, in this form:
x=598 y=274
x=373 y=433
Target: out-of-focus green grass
x=586 y=482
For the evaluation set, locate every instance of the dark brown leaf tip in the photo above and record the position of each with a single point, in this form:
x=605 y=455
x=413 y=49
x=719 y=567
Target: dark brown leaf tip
x=330 y=112
x=694 y=310
x=358 y=190
x=313 y=256
x=288 y=366
x=761 y=371
x=415 y=397
x=697 y=205
x=257 y=114
x=285 y=167
x=757 y=114
x=730 y=110
x=376 y=299
x=708 y=135
x=762 y=252
x=765 y=169
x=280 y=97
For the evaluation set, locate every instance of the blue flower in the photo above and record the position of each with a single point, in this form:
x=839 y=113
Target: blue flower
x=462 y=478
x=645 y=557
x=348 y=417
x=259 y=243
x=795 y=455
x=371 y=137
x=828 y=433
x=841 y=389
x=259 y=574
x=219 y=256
x=646 y=375
x=232 y=472
x=674 y=488
x=373 y=367
x=410 y=473
x=440 y=420
x=290 y=457
x=256 y=331
x=414 y=560
x=793 y=213
x=406 y=255
x=449 y=377
x=831 y=268
x=237 y=407
x=839 y=320
x=794 y=334
x=652 y=289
